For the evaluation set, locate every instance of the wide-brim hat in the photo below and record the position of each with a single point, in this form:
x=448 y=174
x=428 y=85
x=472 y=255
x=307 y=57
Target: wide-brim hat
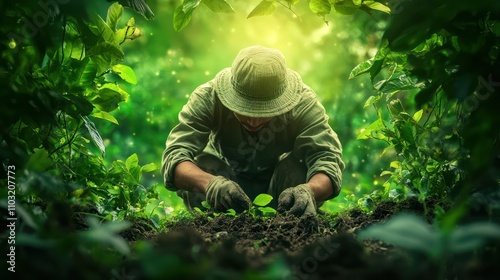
x=258 y=84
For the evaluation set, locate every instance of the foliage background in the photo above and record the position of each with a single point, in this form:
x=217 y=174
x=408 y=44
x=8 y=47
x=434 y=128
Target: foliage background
x=170 y=64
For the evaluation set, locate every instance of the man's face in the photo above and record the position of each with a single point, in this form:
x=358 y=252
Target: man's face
x=251 y=124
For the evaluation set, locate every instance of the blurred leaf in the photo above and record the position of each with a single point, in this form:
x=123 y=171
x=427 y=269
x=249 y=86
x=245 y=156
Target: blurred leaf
x=218 y=6
x=395 y=164
x=126 y=73
x=262 y=199
x=406 y=231
x=320 y=7
x=377 y=6
x=265 y=7
x=115 y=12
x=96 y=137
x=39 y=160
x=105 y=116
x=106 y=233
x=472 y=236
x=205 y=204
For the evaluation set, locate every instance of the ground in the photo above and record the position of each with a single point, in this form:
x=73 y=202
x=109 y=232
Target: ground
x=288 y=247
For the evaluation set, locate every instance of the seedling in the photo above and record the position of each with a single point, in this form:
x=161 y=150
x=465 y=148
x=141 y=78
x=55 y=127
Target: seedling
x=259 y=206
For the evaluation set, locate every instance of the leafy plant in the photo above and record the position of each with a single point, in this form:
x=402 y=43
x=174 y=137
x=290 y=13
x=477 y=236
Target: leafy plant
x=184 y=12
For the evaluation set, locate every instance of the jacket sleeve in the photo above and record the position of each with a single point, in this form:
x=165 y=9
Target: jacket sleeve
x=188 y=138
x=316 y=142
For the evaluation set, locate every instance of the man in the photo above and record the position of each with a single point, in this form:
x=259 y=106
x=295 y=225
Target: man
x=255 y=128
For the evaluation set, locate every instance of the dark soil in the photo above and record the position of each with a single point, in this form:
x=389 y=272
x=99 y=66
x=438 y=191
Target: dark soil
x=287 y=247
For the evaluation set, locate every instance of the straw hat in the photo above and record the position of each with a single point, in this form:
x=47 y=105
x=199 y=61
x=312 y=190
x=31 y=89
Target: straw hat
x=258 y=84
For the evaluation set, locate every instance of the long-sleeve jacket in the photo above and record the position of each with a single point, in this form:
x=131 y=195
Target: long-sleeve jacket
x=205 y=124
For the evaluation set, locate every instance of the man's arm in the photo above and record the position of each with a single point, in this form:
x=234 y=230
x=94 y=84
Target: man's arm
x=188 y=176
x=321 y=185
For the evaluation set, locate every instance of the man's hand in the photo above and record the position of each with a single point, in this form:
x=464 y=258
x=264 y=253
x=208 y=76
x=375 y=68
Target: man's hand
x=297 y=201
x=223 y=194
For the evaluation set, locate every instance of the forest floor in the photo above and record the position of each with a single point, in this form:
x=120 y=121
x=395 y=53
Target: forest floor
x=321 y=247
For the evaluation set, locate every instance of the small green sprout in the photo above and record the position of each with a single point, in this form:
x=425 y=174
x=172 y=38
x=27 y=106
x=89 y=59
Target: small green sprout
x=259 y=206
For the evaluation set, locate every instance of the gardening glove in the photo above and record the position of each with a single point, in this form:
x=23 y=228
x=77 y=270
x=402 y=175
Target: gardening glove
x=223 y=194
x=297 y=201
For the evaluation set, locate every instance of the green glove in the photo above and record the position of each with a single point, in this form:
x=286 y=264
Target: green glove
x=223 y=194
x=297 y=201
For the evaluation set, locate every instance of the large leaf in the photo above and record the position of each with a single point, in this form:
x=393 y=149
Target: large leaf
x=115 y=12
x=265 y=7
x=320 y=7
x=406 y=231
x=94 y=134
x=100 y=28
x=183 y=13
x=126 y=73
x=218 y=6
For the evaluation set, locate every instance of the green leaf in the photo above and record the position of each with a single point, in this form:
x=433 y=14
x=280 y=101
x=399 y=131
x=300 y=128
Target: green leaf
x=361 y=68
x=320 y=7
x=105 y=55
x=106 y=233
x=205 y=204
x=262 y=199
x=375 y=126
x=88 y=74
x=126 y=73
x=406 y=231
x=39 y=160
x=94 y=134
x=386 y=172
x=102 y=29
x=105 y=116
x=150 y=167
x=218 y=6
x=115 y=12
x=372 y=100
x=181 y=18
x=265 y=7
x=190 y=5
x=107 y=100
x=132 y=161
x=346 y=7
x=418 y=115
x=267 y=211
x=395 y=164
x=374 y=5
